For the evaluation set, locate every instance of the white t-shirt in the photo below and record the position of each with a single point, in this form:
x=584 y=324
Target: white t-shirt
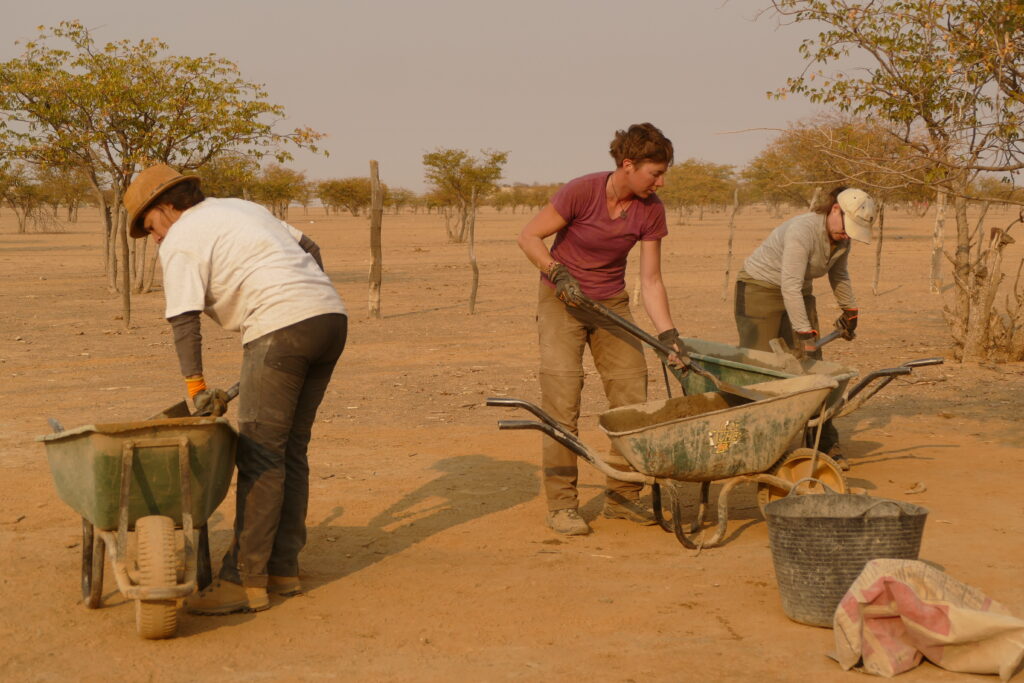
x=244 y=268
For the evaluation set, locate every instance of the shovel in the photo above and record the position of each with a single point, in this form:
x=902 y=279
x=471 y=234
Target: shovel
x=180 y=409
x=785 y=355
x=664 y=351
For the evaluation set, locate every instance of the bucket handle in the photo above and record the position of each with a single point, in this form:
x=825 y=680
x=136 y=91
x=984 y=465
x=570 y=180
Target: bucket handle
x=796 y=484
x=883 y=502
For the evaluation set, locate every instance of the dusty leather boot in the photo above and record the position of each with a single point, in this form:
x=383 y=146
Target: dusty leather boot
x=618 y=506
x=568 y=522
x=224 y=597
x=285 y=586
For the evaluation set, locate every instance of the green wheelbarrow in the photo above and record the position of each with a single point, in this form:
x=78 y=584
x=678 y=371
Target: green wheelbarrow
x=152 y=478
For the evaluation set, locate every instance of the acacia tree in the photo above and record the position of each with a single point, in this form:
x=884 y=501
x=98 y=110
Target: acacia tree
x=464 y=181
x=277 y=187
x=230 y=175
x=695 y=183
x=115 y=108
x=353 y=194
x=925 y=77
x=399 y=197
x=20 y=192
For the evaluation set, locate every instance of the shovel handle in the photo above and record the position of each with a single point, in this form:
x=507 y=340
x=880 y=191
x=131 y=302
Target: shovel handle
x=665 y=351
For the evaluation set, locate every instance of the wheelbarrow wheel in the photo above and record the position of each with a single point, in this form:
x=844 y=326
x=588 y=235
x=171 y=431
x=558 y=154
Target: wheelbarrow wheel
x=795 y=466
x=93 y=550
x=158 y=567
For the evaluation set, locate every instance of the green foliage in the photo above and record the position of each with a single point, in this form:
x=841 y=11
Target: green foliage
x=942 y=75
x=124 y=105
x=697 y=183
x=353 y=194
x=230 y=175
x=833 y=150
x=459 y=179
x=399 y=197
x=278 y=186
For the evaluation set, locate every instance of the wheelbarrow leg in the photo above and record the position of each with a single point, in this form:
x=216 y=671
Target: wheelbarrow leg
x=677 y=523
x=723 y=515
x=204 y=568
x=659 y=513
x=93 y=551
x=702 y=507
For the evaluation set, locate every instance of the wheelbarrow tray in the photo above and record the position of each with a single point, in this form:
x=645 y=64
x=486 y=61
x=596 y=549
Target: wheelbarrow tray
x=742 y=367
x=711 y=436
x=86 y=464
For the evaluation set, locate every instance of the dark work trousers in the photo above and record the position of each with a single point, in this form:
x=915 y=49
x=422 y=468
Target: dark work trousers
x=284 y=376
x=761 y=316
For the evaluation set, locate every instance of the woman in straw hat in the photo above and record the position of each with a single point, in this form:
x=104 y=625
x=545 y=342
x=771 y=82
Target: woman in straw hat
x=596 y=220
x=253 y=273
x=773 y=290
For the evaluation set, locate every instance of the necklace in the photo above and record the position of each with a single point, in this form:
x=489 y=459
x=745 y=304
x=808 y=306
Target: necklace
x=624 y=211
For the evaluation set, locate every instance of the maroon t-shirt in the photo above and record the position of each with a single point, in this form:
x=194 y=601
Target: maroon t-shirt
x=593 y=246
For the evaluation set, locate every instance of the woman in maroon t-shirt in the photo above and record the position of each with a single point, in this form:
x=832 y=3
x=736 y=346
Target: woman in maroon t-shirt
x=596 y=220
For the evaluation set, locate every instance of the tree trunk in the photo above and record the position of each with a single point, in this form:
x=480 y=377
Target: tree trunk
x=985 y=278
x=126 y=287
x=878 y=247
x=470 y=229
x=728 y=253
x=376 y=259
x=979 y=233
x=147 y=285
x=937 y=238
x=139 y=248
x=962 y=270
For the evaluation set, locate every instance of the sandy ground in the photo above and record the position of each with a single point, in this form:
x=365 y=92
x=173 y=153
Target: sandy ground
x=428 y=558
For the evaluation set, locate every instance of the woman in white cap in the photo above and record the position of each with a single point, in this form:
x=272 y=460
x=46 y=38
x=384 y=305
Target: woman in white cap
x=774 y=290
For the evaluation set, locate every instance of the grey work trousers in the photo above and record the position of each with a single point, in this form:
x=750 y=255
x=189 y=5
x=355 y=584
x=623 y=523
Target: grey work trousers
x=564 y=332
x=284 y=376
x=761 y=316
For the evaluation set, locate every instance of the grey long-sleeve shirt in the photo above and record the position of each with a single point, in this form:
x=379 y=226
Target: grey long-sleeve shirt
x=793 y=255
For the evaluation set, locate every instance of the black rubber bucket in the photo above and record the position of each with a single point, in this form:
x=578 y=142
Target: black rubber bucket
x=820 y=544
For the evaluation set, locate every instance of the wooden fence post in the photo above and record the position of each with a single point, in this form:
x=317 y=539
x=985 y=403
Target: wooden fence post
x=376 y=218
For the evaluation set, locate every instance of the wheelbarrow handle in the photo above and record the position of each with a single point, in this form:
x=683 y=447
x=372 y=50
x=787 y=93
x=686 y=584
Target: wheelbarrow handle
x=503 y=402
x=921 y=362
x=847 y=404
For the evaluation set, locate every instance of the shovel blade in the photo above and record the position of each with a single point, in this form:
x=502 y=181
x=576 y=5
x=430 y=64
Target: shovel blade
x=179 y=409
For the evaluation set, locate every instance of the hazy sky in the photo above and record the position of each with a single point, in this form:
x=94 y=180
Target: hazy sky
x=547 y=80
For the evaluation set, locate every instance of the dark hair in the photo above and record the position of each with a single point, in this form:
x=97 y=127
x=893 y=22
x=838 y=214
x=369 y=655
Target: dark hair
x=825 y=205
x=182 y=196
x=641 y=142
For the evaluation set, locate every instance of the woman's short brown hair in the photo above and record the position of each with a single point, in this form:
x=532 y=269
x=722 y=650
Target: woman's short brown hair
x=825 y=204
x=641 y=142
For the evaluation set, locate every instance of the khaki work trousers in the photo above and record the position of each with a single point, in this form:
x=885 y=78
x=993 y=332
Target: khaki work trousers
x=284 y=376
x=564 y=331
x=761 y=316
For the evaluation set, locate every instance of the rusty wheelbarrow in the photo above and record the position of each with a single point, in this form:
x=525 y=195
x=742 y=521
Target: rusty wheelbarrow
x=151 y=478
x=720 y=437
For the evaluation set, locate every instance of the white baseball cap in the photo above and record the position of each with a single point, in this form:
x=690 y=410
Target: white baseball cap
x=860 y=211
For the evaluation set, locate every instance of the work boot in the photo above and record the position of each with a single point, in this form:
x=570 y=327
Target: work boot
x=618 y=506
x=285 y=586
x=836 y=453
x=568 y=522
x=224 y=597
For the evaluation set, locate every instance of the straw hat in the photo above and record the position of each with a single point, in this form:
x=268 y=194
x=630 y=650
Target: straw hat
x=860 y=211
x=145 y=189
